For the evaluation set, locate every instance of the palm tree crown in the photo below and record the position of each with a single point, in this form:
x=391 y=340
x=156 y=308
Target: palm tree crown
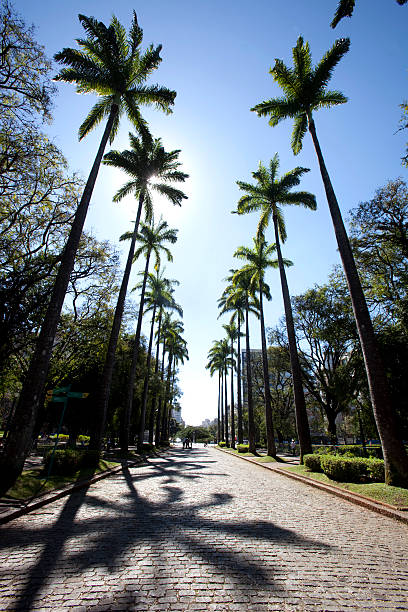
x=144 y=161
x=304 y=87
x=111 y=64
x=151 y=238
x=270 y=192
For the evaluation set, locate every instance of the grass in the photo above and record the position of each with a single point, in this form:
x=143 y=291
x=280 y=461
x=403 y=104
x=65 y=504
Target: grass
x=266 y=459
x=30 y=481
x=378 y=491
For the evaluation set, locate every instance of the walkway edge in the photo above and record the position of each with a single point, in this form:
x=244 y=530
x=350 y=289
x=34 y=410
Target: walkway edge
x=53 y=496
x=333 y=490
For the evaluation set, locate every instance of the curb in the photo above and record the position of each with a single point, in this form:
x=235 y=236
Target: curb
x=355 y=498
x=48 y=498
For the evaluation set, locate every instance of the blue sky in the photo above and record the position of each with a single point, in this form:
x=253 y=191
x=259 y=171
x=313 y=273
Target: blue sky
x=216 y=55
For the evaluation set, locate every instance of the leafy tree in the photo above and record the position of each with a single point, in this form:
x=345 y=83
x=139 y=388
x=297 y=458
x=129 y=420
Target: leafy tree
x=345 y=8
x=404 y=126
x=379 y=236
x=305 y=91
x=114 y=68
x=281 y=392
x=268 y=195
x=26 y=89
x=329 y=350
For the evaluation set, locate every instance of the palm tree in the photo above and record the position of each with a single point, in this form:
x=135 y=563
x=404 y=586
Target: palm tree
x=259 y=258
x=146 y=161
x=158 y=295
x=163 y=304
x=151 y=238
x=214 y=365
x=305 y=91
x=176 y=347
x=220 y=352
x=268 y=195
x=345 y=8
x=111 y=65
x=232 y=335
x=242 y=289
x=236 y=305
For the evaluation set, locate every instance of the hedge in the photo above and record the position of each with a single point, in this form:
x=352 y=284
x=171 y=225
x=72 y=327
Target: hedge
x=357 y=469
x=68 y=461
x=349 y=450
x=313 y=462
x=221 y=444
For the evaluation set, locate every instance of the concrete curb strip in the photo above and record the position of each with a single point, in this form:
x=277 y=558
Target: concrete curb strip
x=54 y=495
x=354 y=498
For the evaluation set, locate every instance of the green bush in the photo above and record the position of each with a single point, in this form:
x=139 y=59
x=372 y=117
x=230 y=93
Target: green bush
x=84 y=439
x=313 y=462
x=357 y=469
x=243 y=448
x=376 y=469
x=68 y=461
x=61 y=437
x=221 y=444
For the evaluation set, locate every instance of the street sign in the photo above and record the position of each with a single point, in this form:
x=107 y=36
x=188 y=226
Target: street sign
x=60 y=390
x=77 y=394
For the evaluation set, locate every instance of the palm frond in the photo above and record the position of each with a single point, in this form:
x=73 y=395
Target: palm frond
x=344 y=9
x=100 y=110
x=299 y=130
x=324 y=69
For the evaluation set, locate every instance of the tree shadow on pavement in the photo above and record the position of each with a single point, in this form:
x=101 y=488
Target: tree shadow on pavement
x=164 y=524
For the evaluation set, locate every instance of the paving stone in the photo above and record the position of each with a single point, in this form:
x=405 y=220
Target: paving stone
x=200 y=530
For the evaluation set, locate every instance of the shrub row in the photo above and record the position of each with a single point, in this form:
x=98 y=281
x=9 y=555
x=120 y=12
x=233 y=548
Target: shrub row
x=347 y=469
x=68 y=461
x=349 y=450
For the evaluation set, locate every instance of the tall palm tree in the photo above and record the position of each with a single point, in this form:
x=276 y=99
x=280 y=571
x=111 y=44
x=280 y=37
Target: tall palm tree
x=345 y=8
x=236 y=305
x=268 y=195
x=112 y=65
x=305 y=91
x=242 y=289
x=258 y=260
x=158 y=295
x=152 y=240
x=146 y=162
x=220 y=353
x=232 y=335
x=176 y=347
x=213 y=365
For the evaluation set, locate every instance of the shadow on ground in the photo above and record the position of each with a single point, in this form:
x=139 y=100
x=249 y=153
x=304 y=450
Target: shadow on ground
x=114 y=526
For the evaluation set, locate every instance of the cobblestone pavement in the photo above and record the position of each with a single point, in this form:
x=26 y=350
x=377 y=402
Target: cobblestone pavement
x=201 y=530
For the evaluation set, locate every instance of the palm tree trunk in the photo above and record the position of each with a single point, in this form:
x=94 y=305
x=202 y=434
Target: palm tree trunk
x=146 y=387
x=232 y=398
x=219 y=403
x=395 y=456
x=251 y=423
x=102 y=397
x=222 y=407
x=19 y=440
x=157 y=439
x=270 y=439
x=302 y=424
x=240 y=432
x=226 y=408
x=156 y=371
x=133 y=365
x=164 y=436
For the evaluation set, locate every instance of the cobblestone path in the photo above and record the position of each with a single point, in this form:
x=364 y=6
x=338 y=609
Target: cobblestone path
x=201 y=530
